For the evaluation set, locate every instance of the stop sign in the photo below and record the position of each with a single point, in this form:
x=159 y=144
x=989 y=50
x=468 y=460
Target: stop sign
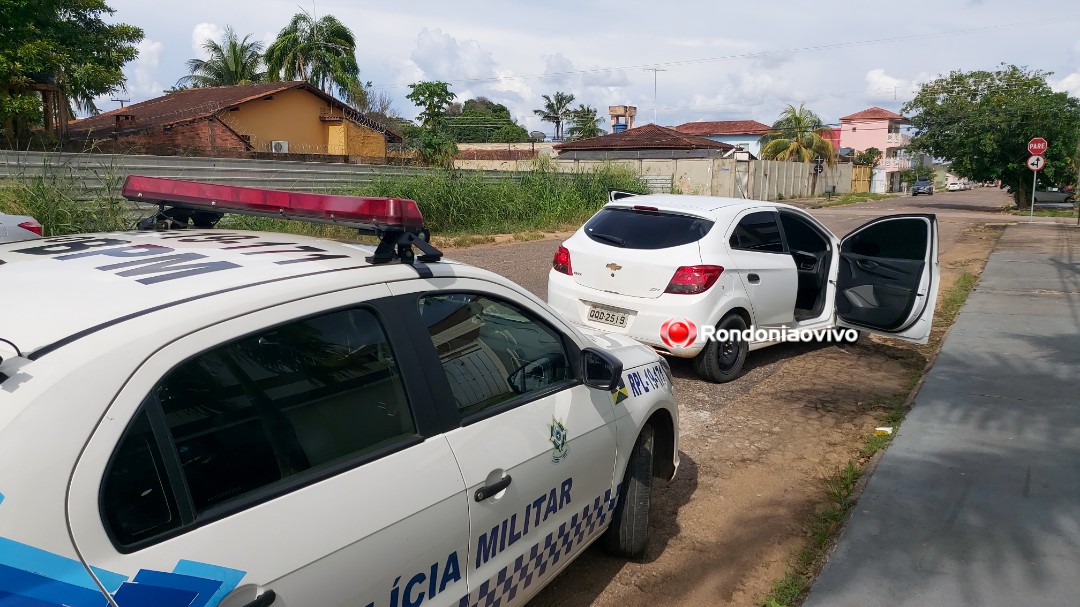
x=1037 y=145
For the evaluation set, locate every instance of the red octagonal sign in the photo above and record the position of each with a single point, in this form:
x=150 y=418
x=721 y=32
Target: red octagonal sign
x=1037 y=145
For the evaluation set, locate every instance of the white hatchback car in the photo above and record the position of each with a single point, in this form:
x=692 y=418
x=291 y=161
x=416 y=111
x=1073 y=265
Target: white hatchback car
x=200 y=417
x=659 y=268
x=14 y=228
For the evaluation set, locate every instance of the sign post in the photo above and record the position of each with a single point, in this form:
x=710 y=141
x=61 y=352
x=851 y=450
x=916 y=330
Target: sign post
x=1036 y=147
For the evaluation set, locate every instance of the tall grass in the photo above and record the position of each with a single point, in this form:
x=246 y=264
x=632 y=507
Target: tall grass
x=453 y=202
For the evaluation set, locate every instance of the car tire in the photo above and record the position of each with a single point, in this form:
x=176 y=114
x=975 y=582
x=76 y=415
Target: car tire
x=628 y=534
x=721 y=362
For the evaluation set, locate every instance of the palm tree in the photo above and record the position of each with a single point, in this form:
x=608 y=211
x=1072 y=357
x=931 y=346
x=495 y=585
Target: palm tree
x=232 y=61
x=322 y=51
x=556 y=110
x=585 y=122
x=796 y=136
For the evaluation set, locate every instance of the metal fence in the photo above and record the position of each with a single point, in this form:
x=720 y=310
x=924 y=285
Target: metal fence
x=102 y=173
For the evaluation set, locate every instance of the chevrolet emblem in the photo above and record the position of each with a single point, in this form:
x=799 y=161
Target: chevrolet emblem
x=613 y=267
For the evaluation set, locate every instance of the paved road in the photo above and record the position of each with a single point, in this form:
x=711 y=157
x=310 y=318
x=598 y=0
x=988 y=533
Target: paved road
x=976 y=500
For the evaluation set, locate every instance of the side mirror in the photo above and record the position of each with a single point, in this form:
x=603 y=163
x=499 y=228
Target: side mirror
x=600 y=370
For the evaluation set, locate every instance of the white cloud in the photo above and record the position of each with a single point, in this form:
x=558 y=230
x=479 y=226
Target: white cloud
x=1069 y=84
x=881 y=87
x=142 y=74
x=440 y=56
x=202 y=33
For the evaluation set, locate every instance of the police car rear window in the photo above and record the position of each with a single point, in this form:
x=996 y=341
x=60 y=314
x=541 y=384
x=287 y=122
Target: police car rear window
x=644 y=229
x=263 y=410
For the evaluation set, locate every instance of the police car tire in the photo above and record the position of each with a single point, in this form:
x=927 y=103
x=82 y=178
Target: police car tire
x=707 y=362
x=628 y=535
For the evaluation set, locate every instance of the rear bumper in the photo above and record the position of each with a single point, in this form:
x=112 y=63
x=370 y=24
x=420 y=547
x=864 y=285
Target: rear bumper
x=644 y=316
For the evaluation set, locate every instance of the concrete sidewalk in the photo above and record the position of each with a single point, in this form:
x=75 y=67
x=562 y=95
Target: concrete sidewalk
x=977 y=500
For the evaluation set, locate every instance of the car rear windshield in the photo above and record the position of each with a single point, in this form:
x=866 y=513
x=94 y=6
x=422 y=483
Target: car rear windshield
x=645 y=229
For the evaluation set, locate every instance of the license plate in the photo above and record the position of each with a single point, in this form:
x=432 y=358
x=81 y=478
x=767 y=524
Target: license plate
x=607 y=316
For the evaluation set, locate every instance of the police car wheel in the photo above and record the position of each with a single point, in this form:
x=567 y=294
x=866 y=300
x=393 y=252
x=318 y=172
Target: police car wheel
x=722 y=362
x=628 y=535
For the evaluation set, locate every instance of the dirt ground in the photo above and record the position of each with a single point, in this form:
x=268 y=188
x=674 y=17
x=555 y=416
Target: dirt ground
x=754 y=451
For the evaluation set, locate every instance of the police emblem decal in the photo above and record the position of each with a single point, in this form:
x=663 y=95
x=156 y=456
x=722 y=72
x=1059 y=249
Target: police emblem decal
x=558 y=440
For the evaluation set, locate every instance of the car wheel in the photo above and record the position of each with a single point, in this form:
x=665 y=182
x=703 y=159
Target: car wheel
x=722 y=362
x=628 y=535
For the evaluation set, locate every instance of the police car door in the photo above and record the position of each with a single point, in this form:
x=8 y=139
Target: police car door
x=284 y=457
x=536 y=447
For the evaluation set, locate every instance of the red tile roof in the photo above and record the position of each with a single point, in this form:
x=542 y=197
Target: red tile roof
x=724 y=127
x=647 y=137
x=874 y=113
x=192 y=104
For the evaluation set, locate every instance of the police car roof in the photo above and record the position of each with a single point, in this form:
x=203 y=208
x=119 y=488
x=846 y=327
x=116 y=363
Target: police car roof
x=56 y=288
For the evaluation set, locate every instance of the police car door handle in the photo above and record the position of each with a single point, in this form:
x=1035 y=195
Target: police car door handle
x=264 y=600
x=489 y=490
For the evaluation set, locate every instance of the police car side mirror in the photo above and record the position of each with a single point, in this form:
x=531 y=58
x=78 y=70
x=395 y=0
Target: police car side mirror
x=600 y=370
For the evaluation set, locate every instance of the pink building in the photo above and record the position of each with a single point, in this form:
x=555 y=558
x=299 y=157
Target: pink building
x=879 y=128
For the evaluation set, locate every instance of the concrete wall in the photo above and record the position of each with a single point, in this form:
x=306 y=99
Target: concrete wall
x=759 y=179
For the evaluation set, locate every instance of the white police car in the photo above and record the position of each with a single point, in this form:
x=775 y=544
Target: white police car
x=204 y=417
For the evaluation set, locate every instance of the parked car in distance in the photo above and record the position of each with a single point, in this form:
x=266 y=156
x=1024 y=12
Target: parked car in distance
x=14 y=228
x=171 y=395
x=954 y=186
x=923 y=186
x=1054 y=196
x=644 y=264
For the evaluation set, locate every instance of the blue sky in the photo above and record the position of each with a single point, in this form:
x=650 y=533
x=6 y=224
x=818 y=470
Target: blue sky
x=721 y=60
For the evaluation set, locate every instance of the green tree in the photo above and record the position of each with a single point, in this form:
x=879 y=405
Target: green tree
x=322 y=51
x=797 y=136
x=431 y=140
x=917 y=172
x=869 y=157
x=586 y=122
x=556 y=110
x=478 y=120
x=981 y=121
x=66 y=43
x=433 y=99
x=232 y=61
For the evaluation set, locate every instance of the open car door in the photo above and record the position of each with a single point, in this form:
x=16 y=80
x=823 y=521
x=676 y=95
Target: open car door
x=887 y=282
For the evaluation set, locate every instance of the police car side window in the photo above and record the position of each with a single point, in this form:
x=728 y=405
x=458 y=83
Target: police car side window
x=137 y=491
x=270 y=407
x=491 y=350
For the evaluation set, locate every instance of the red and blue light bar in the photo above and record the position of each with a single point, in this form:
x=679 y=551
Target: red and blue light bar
x=367 y=214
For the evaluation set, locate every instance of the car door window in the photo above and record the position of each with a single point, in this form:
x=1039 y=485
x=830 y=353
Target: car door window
x=492 y=351
x=890 y=240
x=267 y=409
x=758 y=232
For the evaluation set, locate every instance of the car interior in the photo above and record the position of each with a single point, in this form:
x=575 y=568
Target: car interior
x=812 y=254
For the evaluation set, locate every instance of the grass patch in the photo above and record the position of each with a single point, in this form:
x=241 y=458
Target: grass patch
x=528 y=236
x=454 y=203
x=1041 y=212
x=469 y=240
x=839 y=488
x=955 y=297
x=846 y=199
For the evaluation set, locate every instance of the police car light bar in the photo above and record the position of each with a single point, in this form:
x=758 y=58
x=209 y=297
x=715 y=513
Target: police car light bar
x=396 y=221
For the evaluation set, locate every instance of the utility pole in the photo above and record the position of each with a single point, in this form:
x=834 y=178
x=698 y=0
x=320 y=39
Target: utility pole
x=654 y=70
x=122 y=101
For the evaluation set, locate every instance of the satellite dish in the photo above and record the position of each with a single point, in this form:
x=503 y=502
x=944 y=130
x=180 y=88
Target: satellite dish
x=538 y=135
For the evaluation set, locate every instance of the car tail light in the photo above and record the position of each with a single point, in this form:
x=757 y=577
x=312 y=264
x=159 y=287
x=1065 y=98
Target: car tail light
x=32 y=226
x=641 y=207
x=561 y=263
x=690 y=280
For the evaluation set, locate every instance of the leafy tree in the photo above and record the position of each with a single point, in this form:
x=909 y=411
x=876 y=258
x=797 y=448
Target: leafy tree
x=480 y=119
x=431 y=139
x=586 y=122
x=917 y=172
x=797 y=136
x=869 y=157
x=232 y=61
x=981 y=121
x=66 y=43
x=322 y=51
x=556 y=110
x=433 y=99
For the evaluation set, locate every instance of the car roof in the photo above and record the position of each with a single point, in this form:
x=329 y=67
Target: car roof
x=56 y=288
x=705 y=206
